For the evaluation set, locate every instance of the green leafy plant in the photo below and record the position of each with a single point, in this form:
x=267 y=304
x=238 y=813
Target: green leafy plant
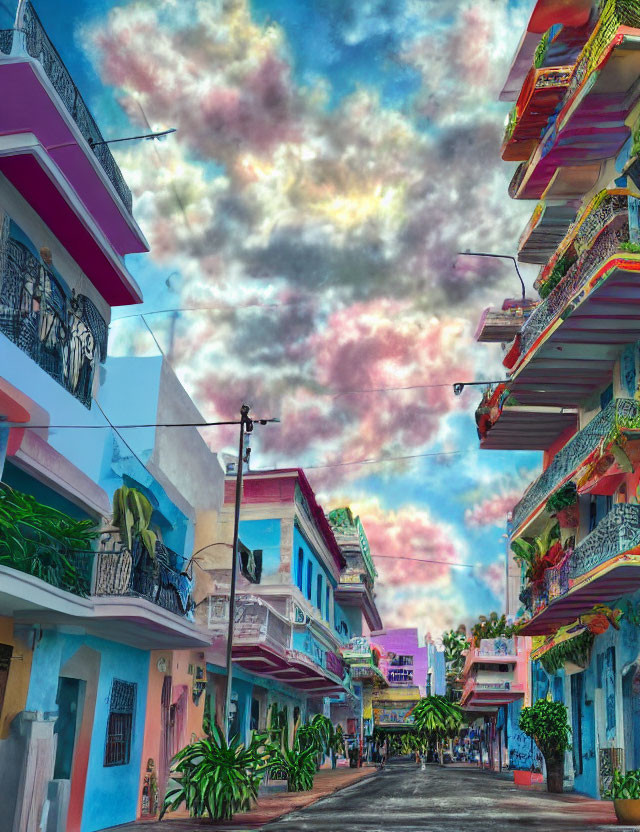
x=217 y=779
x=337 y=742
x=539 y=553
x=492 y=627
x=132 y=514
x=299 y=763
x=546 y=722
x=436 y=718
x=575 y=650
x=45 y=542
x=541 y=50
x=624 y=786
x=564 y=497
x=558 y=272
x=632 y=248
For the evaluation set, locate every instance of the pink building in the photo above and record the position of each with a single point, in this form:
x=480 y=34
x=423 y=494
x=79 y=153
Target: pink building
x=404 y=662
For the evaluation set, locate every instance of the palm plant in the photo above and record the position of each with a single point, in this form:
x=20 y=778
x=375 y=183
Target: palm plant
x=132 y=514
x=539 y=553
x=436 y=718
x=215 y=778
x=299 y=764
x=45 y=542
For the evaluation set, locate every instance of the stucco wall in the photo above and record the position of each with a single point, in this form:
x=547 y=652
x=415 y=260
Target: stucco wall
x=111 y=792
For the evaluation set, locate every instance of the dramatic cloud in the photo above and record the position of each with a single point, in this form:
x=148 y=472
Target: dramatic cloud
x=309 y=213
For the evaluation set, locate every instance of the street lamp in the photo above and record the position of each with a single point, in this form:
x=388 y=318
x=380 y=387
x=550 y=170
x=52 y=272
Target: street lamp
x=503 y=257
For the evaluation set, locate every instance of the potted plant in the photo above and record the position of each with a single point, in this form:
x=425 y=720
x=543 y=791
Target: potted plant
x=625 y=793
x=563 y=505
x=546 y=722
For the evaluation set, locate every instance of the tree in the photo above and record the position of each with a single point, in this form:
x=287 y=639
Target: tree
x=436 y=718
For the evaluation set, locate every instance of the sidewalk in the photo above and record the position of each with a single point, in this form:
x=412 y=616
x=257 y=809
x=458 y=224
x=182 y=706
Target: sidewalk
x=268 y=808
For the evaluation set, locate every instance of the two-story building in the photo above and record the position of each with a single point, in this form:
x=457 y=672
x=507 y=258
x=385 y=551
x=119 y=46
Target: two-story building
x=573 y=372
x=289 y=625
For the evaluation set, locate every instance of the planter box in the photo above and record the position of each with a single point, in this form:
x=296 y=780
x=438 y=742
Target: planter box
x=527 y=778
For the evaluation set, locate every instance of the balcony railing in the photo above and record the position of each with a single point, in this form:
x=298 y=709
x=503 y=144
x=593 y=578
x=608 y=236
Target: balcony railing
x=617 y=532
x=619 y=415
x=496 y=647
x=64 y=334
x=587 y=264
x=255 y=622
x=38 y=46
x=119 y=572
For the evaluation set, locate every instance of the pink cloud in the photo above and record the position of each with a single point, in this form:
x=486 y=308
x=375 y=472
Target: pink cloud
x=493 y=511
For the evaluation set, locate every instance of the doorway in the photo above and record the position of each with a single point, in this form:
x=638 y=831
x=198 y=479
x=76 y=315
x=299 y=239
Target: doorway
x=69 y=700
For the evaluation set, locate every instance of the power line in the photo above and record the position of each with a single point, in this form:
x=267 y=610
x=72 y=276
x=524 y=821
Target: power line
x=372 y=461
x=427 y=560
x=125 y=427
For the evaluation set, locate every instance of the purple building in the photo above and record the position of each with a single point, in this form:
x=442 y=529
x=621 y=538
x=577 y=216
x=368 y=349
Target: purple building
x=404 y=662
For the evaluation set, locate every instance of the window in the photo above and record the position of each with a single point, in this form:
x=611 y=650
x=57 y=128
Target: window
x=326 y=607
x=577 y=696
x=309 y=578
x=120 y=723
x=299 y=582
x=401 y=661
x=606 y=396
x=319 y=592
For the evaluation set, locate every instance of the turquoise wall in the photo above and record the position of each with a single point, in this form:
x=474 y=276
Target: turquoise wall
x=111 y=795
x=265 y=535
x=313 y=567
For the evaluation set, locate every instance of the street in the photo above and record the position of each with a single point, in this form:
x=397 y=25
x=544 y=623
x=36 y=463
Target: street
x=405 y=799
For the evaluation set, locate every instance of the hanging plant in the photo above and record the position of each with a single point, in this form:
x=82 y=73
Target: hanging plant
x=576 y=650
x=558 y=272
x=563 y=498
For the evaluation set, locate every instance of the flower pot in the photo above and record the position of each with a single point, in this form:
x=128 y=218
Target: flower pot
x=627 y=811
x=526 y=777
x=555 y=775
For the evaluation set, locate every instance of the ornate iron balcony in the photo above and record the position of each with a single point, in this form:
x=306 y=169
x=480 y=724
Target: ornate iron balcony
x=605 y=246
x=255 y=622
x=38 y=46
x=65 y=334
x=615 y=534
x=620 y=414
x=161 y=580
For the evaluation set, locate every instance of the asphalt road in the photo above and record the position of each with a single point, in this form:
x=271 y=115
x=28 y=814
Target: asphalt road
x=405 y=799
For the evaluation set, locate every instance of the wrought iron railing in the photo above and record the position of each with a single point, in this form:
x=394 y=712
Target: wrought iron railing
x=164 y=579
x=616 y=533
x=605 y=246
x=618 y=415
x=65 y=334
x=38 y=46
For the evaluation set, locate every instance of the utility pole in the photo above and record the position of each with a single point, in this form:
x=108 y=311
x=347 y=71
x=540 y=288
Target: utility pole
x=246 y=425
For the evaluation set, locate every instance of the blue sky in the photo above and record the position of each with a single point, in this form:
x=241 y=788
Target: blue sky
x=331 y=158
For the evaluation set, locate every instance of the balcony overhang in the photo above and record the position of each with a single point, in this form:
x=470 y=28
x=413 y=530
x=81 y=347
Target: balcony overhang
x=128 y=620
x=603 y=585
x=530 y=428
x=479 y=696
x=35 y=105
x=360 y=595
x=545 y=231
x=574 y=15
x=574 y=356
x=591 y=125
x=46 y=187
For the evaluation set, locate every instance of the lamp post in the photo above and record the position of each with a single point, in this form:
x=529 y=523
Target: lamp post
x=502 y=257
x=246 y=425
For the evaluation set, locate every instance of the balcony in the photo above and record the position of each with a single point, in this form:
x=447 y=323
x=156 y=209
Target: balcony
x=567 y=349
x=590 y=125
x=602 y=567
x=64 y=334
x=479 y=695
x=396 y=677
x=541 y=93
x=621 y=417
x=544 y=232
x=52 y=151
x=491 y=651
x=263 y=644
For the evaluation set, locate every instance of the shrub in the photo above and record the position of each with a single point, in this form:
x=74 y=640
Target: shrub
x=546 y=722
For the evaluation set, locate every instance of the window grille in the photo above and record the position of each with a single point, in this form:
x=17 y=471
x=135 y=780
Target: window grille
x=120 y=723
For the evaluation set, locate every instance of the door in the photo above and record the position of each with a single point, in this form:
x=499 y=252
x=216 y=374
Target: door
x=577 y=700
x=68 y=700
x=167 y=737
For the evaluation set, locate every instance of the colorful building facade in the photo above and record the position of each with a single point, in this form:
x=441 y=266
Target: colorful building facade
x=573 y=373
